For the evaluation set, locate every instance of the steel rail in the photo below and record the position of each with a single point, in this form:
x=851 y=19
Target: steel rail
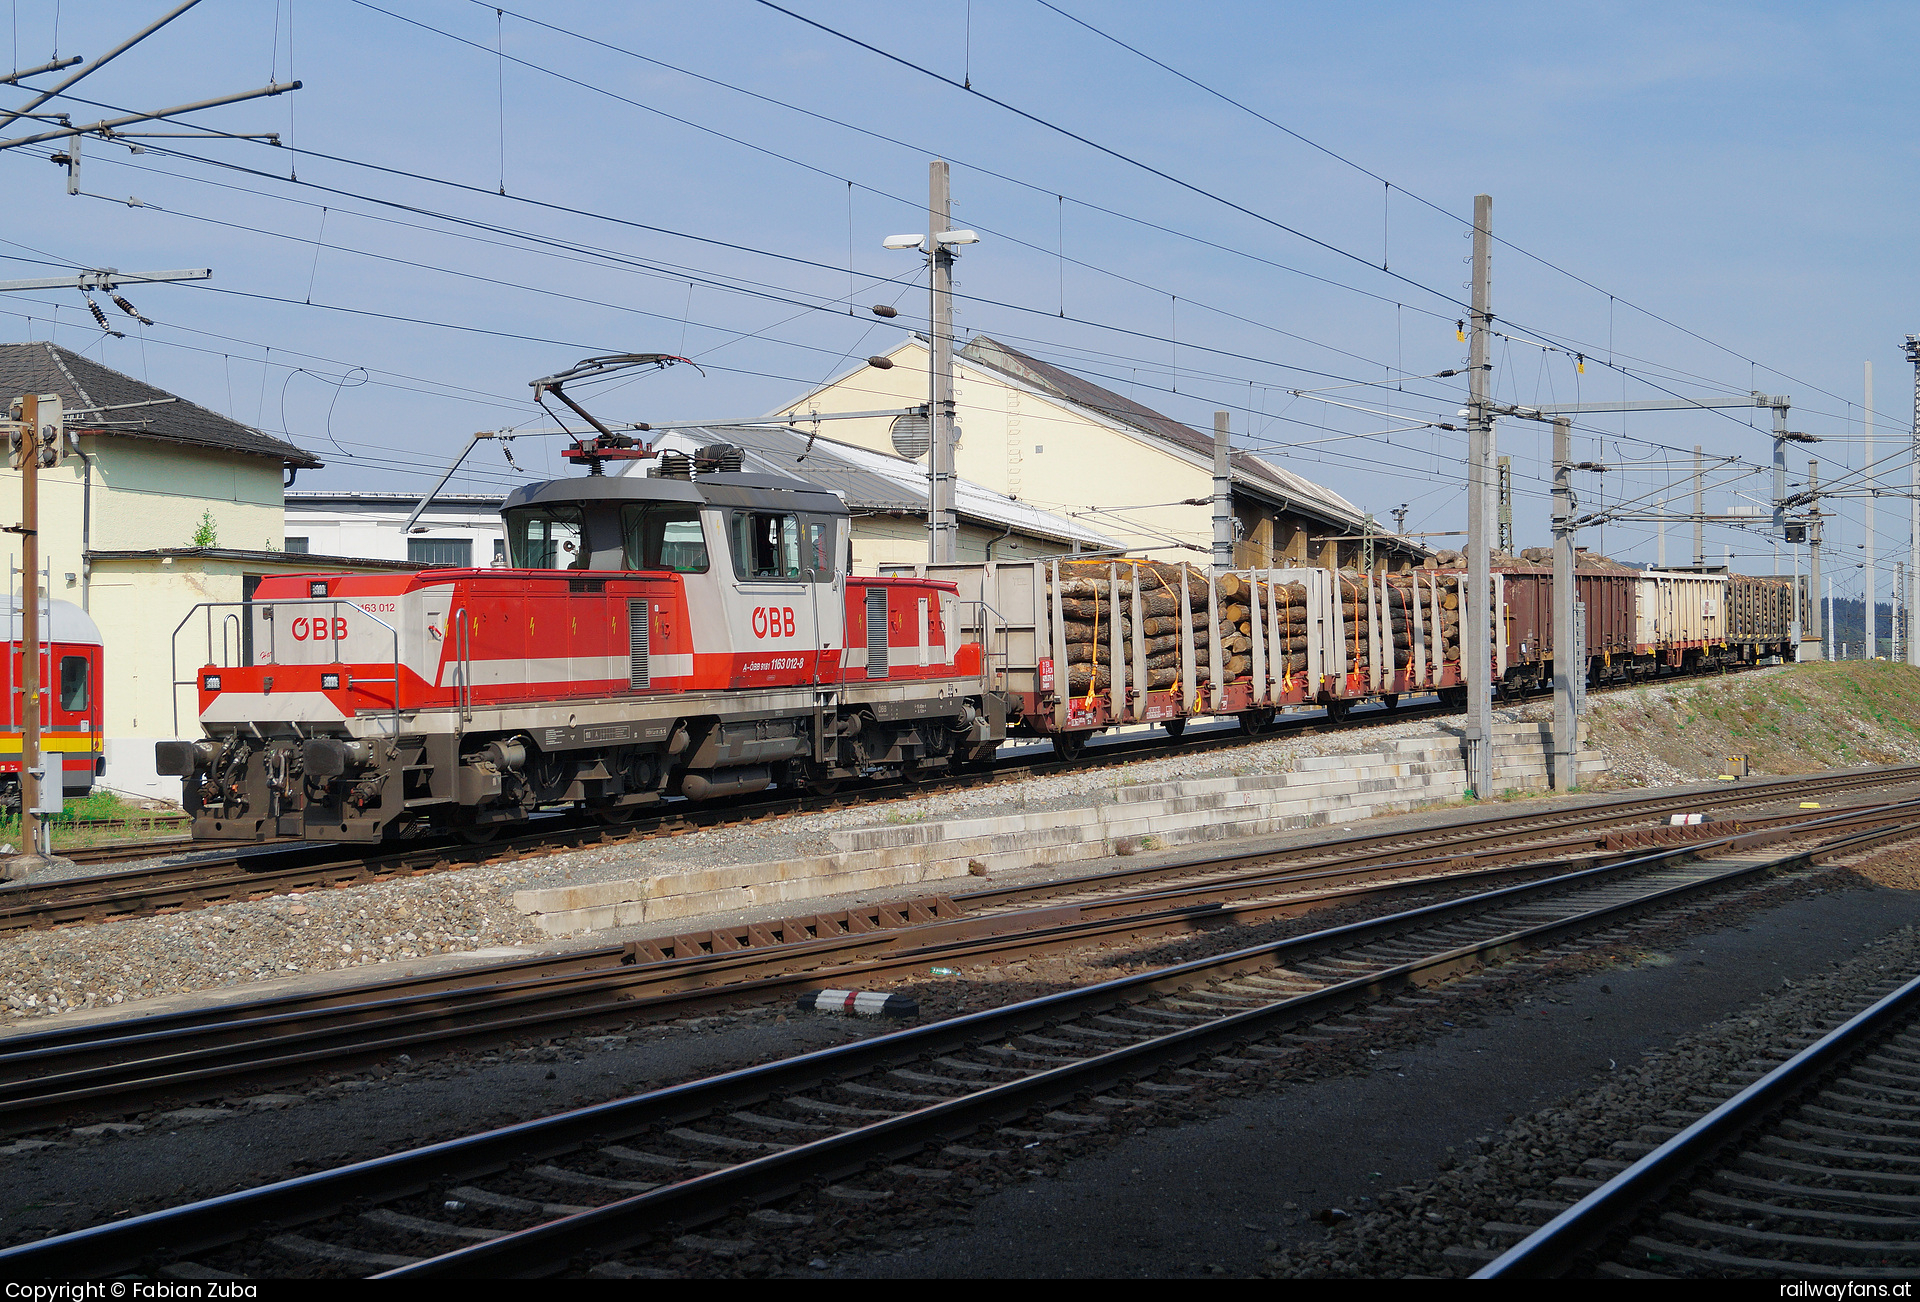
x=141 y=892
x=220 y=1220
x=1555 y=1246
x=225 y=874
x=547 y=1248
x=122 y=1064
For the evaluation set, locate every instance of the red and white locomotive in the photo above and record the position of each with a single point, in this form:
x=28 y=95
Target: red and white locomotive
x=692 y=634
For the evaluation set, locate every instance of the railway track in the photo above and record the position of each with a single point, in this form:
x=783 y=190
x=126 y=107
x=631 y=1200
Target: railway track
x=220 y=873
x=1807 y=1172
x=611 y=1188
x=114 y=1068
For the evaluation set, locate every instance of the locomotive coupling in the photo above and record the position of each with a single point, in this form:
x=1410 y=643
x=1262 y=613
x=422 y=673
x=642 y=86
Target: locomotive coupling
x=183 y=759
x=329 y=757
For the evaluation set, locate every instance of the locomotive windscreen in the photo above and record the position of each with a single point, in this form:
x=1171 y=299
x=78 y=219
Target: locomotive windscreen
x=546 y=538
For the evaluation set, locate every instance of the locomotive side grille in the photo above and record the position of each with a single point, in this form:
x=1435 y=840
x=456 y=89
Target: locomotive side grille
x=876 y=632
x=586 y=585
x=637 y=624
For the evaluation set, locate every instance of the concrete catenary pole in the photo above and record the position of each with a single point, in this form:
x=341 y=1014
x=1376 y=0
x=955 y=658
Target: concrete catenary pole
x=1223 y=495
x=1819 y=629
x=1568 y=659
x=941 y=525
x=1913 y=505
x=1828 y=624
x=1872 y=575
x=1699 y=509
x=1476 y=647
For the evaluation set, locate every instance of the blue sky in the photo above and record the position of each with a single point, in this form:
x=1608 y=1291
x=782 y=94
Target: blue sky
x=1744 y=172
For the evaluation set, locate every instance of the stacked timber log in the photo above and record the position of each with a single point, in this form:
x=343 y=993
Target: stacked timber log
x=1096 y=598
x=1173 y=600
x=1396 y=603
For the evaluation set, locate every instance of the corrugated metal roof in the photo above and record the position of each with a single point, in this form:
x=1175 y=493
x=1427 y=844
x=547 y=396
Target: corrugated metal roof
x=867 y=480
x=1249 y=469
x=84 y=384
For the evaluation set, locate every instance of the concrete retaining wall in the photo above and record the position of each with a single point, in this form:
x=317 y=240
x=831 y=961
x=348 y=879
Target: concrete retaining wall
x=1320 y=789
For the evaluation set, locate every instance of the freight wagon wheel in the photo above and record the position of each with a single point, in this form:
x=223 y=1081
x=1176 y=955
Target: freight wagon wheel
x=1391 y=701
x=1176 y=728
x=1256 y=722
x=1069 y=746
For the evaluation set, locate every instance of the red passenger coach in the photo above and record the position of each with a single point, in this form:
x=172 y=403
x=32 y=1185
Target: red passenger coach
x=656 y=637
x=70 y=661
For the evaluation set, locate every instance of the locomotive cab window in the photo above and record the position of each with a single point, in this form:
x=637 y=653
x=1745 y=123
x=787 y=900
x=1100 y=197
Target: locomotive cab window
x=546 y=538
x=766 y=545
x=664 y=536
x=75 y=693
x=820 y=553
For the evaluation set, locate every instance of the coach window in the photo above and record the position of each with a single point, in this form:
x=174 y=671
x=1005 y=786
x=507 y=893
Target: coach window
x=546 y=538
x=664 y=537
x=766 y=545
x=74 y=695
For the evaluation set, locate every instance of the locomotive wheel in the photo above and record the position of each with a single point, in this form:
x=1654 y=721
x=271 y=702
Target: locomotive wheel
x=1069 y=746
x=824 y=787
x=617 y=815
x=475 y=834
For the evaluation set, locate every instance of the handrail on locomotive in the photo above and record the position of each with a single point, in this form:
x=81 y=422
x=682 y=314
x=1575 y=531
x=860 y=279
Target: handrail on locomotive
x=240 y=610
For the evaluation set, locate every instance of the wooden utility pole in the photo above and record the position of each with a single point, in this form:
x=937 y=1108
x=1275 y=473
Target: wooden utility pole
x=1476 y=646
x=39 y=427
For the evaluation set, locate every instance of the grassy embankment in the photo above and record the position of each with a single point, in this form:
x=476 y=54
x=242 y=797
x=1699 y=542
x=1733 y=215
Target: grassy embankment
x=1795 y=719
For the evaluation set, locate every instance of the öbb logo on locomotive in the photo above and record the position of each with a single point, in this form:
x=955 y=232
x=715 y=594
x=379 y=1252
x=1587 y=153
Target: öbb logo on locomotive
x=302 y=628
x=773 y=621
x=619 y=660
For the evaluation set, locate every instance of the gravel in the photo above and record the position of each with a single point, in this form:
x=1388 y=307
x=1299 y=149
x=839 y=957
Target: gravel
x=287 y=937
x=1411 y=1227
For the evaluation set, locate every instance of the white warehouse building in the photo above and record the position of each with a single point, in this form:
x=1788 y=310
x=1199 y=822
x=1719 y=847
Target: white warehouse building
x=457 y=529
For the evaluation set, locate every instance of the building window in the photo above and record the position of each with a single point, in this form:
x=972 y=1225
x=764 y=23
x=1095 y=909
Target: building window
x=296 y=544
x=452 y=553
x=499 y=551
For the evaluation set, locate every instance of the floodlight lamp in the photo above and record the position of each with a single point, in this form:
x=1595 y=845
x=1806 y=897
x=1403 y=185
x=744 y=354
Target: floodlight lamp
x=902 y=241
x=957 y=237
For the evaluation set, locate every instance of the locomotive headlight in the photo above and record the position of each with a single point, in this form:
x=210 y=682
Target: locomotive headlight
x=212 y=682
x=329 y=682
